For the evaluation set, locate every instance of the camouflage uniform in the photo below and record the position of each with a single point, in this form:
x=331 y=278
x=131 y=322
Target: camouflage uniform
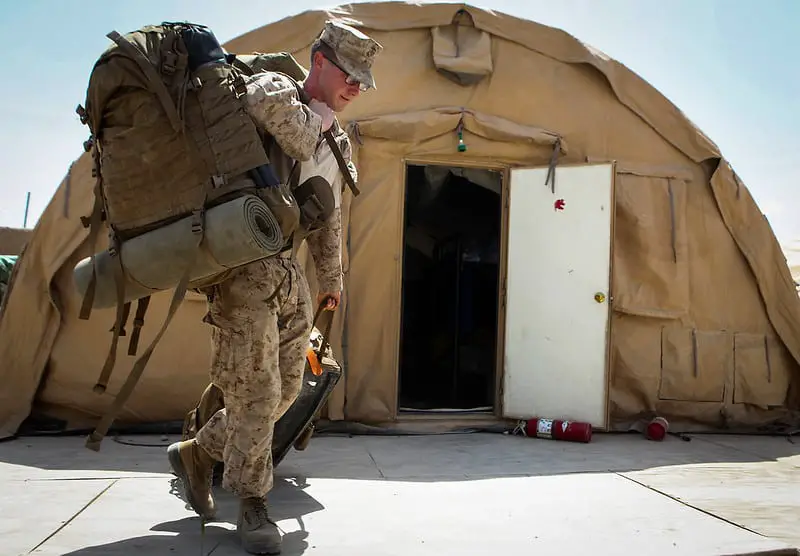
x=259 y=344
x=258 y=349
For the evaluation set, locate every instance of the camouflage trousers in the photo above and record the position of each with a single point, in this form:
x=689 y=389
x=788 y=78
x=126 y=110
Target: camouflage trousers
x=258 y=358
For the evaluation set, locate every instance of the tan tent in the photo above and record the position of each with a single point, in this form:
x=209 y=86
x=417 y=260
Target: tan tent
x=13 y=240
x=642 y=279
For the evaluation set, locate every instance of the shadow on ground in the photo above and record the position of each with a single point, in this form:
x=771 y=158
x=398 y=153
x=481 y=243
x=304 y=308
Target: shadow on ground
x=288 y=501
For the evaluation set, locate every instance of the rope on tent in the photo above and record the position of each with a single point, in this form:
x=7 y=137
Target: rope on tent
x=551 y=169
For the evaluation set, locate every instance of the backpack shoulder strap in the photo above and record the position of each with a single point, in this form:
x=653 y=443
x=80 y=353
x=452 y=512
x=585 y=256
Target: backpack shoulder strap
x=337 y=153
x=239 y=65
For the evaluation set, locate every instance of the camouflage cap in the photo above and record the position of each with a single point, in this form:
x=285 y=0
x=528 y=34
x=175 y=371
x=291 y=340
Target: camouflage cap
x=354 y=50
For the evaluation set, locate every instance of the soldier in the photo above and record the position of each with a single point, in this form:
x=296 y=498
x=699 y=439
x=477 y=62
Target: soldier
x=259 y=344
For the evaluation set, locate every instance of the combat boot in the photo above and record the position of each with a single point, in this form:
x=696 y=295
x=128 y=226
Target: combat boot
x=259 y=534
x=194 y=467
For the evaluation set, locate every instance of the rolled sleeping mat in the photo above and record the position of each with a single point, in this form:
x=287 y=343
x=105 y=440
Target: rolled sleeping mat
x=237 y=232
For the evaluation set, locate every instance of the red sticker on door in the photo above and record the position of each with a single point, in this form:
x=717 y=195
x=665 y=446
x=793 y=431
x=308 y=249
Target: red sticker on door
x=559 y=204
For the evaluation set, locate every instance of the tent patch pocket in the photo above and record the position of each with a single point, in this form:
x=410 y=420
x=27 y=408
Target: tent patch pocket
x=695 y=364
x=761 y=371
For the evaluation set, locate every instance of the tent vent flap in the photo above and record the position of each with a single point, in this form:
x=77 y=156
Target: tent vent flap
x=423 y=125
x=462 y=52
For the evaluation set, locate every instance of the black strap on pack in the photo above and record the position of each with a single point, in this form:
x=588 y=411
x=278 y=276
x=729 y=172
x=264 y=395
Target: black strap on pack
x=337 y=153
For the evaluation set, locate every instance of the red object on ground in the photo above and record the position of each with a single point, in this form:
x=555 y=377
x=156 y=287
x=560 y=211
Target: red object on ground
x=657 y=429
x=555 y=429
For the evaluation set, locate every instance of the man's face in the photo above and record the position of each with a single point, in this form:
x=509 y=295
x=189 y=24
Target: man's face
x=335 y=85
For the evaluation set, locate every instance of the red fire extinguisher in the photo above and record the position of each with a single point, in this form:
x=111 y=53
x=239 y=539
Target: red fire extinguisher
x=657 y=429
x=556 y=429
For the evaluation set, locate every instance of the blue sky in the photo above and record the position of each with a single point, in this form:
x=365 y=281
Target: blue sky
x=733 y=66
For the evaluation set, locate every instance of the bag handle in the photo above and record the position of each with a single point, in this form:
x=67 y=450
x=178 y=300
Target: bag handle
x=325 y=335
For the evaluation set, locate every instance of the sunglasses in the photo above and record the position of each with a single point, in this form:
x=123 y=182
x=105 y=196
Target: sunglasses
x=350 y=80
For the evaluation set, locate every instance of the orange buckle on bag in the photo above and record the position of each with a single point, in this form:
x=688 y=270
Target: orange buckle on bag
x=313 y=360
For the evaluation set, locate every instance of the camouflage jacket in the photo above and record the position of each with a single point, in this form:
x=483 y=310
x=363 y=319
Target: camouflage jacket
x=274 y=104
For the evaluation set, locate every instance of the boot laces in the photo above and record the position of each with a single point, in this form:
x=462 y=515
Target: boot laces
x=257 y=512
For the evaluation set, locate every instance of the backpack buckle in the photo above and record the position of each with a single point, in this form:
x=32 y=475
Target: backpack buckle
x=168 y=62
x=197 y=221
x=238 y=85
x=81 y=111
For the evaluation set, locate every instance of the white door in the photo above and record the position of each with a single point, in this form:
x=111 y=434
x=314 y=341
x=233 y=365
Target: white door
x=557 y=308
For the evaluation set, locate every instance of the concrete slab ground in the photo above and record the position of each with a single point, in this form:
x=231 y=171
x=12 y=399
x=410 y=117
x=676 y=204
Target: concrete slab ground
x=419 y=495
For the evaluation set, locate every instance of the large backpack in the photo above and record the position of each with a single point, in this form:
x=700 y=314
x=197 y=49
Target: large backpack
x=170 y=138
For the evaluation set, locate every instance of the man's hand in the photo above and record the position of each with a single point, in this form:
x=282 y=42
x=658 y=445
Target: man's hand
x=324 y=111
x=333 y=300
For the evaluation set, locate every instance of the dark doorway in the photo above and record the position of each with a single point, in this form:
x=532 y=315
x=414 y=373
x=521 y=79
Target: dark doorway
x=450 y=289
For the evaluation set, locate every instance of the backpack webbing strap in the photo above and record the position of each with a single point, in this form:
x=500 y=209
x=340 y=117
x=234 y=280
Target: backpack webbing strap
x=123 y=309
x=146 y=66
x=126 y=311
x=138 y=323
x=93 y=223
x=96 y=437
x=337 y=153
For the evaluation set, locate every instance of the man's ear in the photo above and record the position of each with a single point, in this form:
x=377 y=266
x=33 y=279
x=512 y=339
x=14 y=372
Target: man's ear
x=318 y=59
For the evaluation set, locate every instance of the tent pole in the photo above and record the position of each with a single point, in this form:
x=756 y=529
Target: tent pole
x=27 y=205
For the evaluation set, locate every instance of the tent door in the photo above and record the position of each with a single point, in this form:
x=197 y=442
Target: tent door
x=450 y=290
x=557 y=294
